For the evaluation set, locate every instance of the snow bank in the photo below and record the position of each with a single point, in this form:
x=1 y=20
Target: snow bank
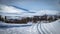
x=51 y=28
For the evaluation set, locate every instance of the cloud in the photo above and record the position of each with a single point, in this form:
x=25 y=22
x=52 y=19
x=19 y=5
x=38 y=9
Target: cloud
x=50 y=12
x=47 y=12
x=10 y=10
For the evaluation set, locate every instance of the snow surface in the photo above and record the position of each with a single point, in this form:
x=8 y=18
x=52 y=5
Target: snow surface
x=38 y=28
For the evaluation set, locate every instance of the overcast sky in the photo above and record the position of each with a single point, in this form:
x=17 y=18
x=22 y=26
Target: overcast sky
x=34 y=4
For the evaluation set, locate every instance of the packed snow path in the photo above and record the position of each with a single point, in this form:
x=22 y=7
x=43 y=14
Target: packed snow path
x=38 y=28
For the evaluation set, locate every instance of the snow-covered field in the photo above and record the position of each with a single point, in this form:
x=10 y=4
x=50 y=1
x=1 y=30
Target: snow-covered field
x=38 y=28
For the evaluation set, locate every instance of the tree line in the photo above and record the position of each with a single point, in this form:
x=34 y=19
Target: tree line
x=33 y=19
